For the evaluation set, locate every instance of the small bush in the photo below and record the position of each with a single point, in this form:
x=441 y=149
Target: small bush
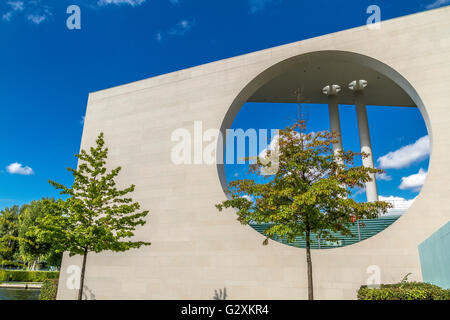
x=49 y=289
x=27 y=276
x=404 y=291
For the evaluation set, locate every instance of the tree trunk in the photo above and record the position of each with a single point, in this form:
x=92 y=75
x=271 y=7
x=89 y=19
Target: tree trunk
x=83 y=268
x=32 y=265
x=35 y=263
x=309 y=263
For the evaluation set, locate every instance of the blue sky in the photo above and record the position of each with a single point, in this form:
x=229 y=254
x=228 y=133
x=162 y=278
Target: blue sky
x=47 y=71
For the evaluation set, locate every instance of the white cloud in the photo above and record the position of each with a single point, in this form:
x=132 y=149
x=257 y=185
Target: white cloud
x=414 y=181
x=39 y=15
x=181 y=28
x=274 y=144
x=383 y=176
x=272 y=158
x=259 y=5
x=34 y=11
x=249 y=198
x=17 y=168
x=37 y=18
x=275 y=153
x=7 y=16
x=273 y=147
x=16 y=5
x=132 y=3
x=437 y=4
x=406 y=155
x=357 y=191
x=400 y=205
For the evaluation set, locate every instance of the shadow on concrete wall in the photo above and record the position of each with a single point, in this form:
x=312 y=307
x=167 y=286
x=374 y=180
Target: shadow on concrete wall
x=90 y=292
x=221 y=294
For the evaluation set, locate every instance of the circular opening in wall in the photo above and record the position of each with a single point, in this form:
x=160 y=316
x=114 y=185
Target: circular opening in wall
x=397 y=126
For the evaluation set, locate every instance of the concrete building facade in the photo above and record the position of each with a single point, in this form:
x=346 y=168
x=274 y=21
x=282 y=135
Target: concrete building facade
x=195 y=249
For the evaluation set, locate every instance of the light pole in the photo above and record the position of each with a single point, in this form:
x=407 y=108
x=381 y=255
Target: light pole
x=335 y=124
x=358 y=87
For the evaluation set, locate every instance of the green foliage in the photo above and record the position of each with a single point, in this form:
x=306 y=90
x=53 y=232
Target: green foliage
x=9 y=235
x=97 y=215
x=53 y=258
x=27 y=276
x=310 y=192
x=33 y=249
x=49 y=290
x=19 y=247
x=404 y=291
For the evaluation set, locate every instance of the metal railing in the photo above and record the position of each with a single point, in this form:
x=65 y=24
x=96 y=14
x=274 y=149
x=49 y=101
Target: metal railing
x=361 y=231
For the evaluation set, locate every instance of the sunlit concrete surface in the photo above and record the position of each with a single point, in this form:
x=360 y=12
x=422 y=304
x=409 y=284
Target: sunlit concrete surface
x=195 y=249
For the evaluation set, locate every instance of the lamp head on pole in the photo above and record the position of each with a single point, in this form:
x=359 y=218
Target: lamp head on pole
x=331 y=90
x=357 y=85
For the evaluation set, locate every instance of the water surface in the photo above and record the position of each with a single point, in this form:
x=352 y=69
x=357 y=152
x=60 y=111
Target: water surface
x=19 y=294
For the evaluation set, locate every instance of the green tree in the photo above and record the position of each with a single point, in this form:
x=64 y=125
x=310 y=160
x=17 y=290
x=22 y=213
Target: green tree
x=96 y=216
x=9 y=235
x=309 y=193
x=53 y=258
x=34 y=250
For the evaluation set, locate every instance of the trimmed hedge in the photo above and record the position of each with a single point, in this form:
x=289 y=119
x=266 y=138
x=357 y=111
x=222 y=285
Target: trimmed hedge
x=404 y=291
x=27 y=276
x=49 y=289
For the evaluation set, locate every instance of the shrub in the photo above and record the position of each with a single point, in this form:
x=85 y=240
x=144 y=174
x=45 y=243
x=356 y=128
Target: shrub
x=27 y=276
x=404 y=291
x=49 y=289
